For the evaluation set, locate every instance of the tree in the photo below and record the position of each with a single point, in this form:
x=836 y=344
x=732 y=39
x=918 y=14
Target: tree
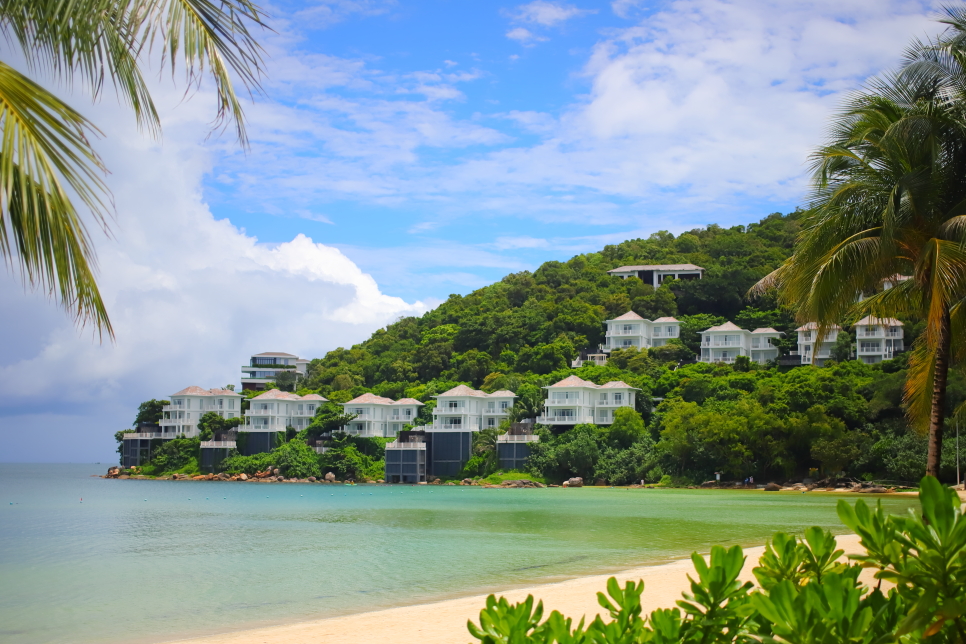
x=48 y=167
x=627 y=428
x=285 y=380
x=150 y=411
x=842 y=349
x=211 y=423
x=887 y=199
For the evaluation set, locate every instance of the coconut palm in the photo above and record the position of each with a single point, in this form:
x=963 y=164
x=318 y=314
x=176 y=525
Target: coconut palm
x=50 y=175
x=889 y=199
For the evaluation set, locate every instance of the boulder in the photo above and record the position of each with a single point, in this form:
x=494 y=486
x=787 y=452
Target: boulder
x=330 y=477
x=311 y=479
x=380 y=481
x=466 y=482
x=773 y=487
x=275 y=471
x=450 y=482
x=279 y=478
x=242 y=477
x=575 y=482
x=113 y=472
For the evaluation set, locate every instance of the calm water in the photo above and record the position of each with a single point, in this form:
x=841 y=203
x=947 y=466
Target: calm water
x=154 y=560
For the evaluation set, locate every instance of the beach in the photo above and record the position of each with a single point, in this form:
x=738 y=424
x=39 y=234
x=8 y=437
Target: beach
x=445 y=622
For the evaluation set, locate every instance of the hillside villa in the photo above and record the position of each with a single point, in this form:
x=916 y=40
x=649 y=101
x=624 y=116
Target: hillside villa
x=655 y=274
x=725 y=342
x=378 y=416
x=574 y=400
x=265 y=367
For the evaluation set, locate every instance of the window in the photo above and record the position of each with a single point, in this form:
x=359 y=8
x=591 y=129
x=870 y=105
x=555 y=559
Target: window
x=310 y=407
x=359 y=411
x=565 y=413
x=395 y=413
x=231 y=403
x=408 y=413
x=618 y=398
x=455 y=421
x=603 y=397
x=602 y=413
x=504 y=404
x=491 y=404
x=627 y=343
x=670 y=331
x=491 y=422
x=628 y=328
x=453 y=404
x=806 y=335
x=870 y=346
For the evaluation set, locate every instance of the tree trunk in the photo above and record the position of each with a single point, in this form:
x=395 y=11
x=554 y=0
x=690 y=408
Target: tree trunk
x=938 y=412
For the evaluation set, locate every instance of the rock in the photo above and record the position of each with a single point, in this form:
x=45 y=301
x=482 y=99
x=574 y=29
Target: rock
x=467 y=481
x=566 y=484
x=279 y=478
x=275 y=471
x=380 y=481
x=113 y=472
x=806 y=482
x=773 y=487
x=450 y=482
x=123 y=476
x=552 y=485
x=242 y=477
x=311 y=479
x=575 y=482
x=874 y=490
x=330 y=477
x=709 y=484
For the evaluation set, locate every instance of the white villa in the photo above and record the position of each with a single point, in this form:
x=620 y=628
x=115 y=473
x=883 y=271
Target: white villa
x=263 y=368
x=189 y=404
x=463 y=409
x=878 y=339
x=654 y=274
x=378 y=416
x=275 y=410
x=725 y=342
x=574 y=400
x=631 y=330
x=807 y=335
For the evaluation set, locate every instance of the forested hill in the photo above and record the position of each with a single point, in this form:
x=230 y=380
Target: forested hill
x=533 y=324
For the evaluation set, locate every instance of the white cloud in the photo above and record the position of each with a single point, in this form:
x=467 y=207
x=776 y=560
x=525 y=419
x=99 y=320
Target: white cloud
x=547 y=14
x=190 y=298
x=623 y=8
x=506 y=243
x=524 y=36
x=325 y=13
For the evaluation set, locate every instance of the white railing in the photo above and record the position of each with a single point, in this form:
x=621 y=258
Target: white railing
x=569 y=420
x=406 y=445
x=614 y=403
x=143 y=436
x=622 y=332
x=517 y=438
x=173 y=408
x=728 y=360
x=219 y=444
x=454 y=427
x=870 y=349
x=721 y=343
x=894 y=333
x=496 y=412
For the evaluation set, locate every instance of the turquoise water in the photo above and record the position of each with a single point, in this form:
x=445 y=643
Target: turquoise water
x=149 y=561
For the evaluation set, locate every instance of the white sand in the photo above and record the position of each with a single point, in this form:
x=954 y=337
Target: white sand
x=445 y=622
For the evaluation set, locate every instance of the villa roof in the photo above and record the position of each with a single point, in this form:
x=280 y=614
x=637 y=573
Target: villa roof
x=573 y=381
x=368 y=398
x=314 y=397
x=275 y=394
x=656 y=267
x=198 y=391
x=407 y=401
x=766 y=329
x=666 y=319
x=727 y=326
x=812 y=326
x=630 y=315
x=503 y=393
x=463 y=390
x=616 y=384
x=275 y=353
x=879 y=321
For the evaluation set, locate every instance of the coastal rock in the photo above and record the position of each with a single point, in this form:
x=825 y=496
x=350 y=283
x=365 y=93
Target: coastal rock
x=575 y=482
x=124 y=476
x=311 y=479
x=466 y=482
x=113 y=472
x=330 y=477
x=773 y=487
x=381 y=481
x=242 y=477
x=275 y=471
x=279 y=478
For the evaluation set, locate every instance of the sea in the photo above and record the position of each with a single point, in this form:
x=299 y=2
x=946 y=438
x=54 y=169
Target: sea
x=86 y=559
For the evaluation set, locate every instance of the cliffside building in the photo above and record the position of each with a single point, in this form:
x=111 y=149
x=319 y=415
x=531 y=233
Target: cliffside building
x=270 y=413
x=725 y=342
x=573 y=401
x=379 y=416
x=655 y=274
x=265 y=367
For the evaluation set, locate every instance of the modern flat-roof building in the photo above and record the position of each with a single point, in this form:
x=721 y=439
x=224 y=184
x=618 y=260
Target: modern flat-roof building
x=573 y=401
x=378 y=416
x=812 y=352
x=725 y=342
x=265 y=367
x=654 y=274
x=878 y=339
x=270 y=414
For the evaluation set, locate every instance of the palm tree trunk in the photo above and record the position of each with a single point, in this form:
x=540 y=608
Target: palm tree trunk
x=937 y=415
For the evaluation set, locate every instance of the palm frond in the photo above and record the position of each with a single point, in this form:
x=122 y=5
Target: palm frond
x=45 y=155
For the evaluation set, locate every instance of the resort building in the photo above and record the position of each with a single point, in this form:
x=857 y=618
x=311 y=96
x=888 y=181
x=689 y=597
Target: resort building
x=807 y=339
x=462 y=409
x=271 y=413
x=878 y=339
x=378 y=416
x=725 y=342
x=180 y=417
x=513 y=448
x=654 y=274
x=631 y=330
x=265 y=367
x=573 y=401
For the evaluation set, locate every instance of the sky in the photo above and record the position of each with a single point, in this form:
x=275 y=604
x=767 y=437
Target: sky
x=404 y=150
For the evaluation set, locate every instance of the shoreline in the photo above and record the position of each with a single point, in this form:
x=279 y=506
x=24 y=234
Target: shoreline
x=444 y=621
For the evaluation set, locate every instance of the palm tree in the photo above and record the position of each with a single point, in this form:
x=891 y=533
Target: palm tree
x=50 y=174
x=888 y=199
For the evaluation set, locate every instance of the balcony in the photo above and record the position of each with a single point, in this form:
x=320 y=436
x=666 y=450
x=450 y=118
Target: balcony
x=218 y=444
x=143 y=436
x=406 y=445
x=614 y=403
x=721 y=343
x=173 y=408
x=551 y=419
x=496 y=412
x=617 y=332
x=563 y=401
x=261 y=412
x=517 y=438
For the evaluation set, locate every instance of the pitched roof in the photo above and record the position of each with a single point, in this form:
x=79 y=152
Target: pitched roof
x=275 y=353
x=727 y=326
x=314 y=397
x=656 y=267
x=766 y=329
x=463 y=390
x=616 y=384
x=667 y=319
x=503 y=393
x=407 y=401
x=573 y=381
x=275 y=394
x=198 y=391
x=630 y=315
x=371 y=399
x=879 y=321
x=812 y=326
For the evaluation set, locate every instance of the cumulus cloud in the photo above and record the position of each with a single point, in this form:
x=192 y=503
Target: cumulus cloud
x=524 y=36
x=190 y=298
x=325 y=13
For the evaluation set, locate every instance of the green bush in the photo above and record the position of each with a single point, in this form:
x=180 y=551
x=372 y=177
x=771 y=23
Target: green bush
x=805 y=595
x=179 y=455
x=238 y=464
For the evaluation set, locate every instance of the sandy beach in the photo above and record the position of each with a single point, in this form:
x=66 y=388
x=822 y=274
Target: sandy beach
x=445 y=622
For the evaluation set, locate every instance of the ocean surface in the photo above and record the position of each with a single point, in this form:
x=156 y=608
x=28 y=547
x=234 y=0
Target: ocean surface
x=151 y=561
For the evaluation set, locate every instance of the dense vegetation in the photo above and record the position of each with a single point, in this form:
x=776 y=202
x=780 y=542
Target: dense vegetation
x=806 y=594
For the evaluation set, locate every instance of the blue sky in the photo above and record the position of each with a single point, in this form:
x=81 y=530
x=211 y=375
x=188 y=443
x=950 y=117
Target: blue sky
x=405 y=150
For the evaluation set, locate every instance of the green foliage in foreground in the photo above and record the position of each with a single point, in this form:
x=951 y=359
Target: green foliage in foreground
x=805 y=595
